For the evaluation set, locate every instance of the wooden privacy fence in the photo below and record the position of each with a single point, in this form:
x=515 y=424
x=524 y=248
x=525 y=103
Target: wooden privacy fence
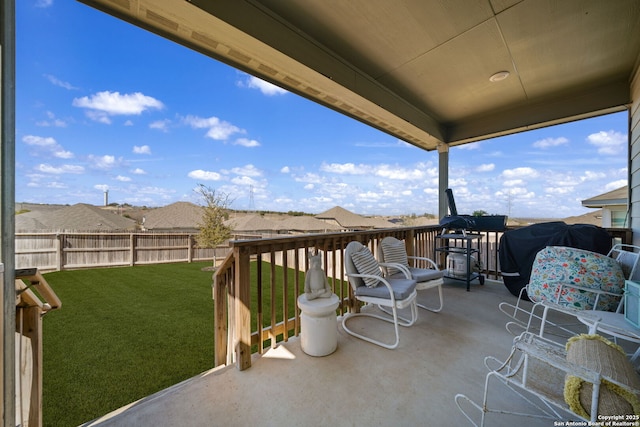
x=63 y=251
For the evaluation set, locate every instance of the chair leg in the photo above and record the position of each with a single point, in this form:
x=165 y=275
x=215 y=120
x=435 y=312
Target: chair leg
x=403 y=321
x=432 y=309
x=396 y=320
x=368 y=339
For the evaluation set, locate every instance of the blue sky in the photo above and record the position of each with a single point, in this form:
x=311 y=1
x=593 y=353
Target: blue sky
x=101 y=104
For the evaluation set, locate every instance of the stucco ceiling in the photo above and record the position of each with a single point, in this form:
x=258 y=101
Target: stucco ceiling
x=420 y=69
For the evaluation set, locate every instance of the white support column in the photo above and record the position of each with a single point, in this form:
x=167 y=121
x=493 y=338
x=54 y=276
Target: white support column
x=443 y=178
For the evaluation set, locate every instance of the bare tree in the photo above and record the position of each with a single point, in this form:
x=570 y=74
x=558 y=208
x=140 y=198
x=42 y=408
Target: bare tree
x=212 y=230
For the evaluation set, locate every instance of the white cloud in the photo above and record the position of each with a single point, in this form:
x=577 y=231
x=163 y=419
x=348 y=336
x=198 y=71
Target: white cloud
x=244 y=180
x=51 y=121
x=399 y=173
x=285 y=169
x=44 y=3
x=56 y=185
x=49 y=145
x=309 y=187
x=123 y=178
x=104 y=104
x=470 y=146
x=138 y=171
x=162 y=125
x=344 y=168
x=101 y=187
x=57 y=82
x=245 y=142
x=248 y=170
x=104 y=162
x=98 y=116
x=559 y=190
x=217 y=129
x=592 y=176
x=615 y=184
x=487 y=167
x=204 y=175
x=608 y=143
x=513 y=182
x=524 y=172
x=63 y=154
x=265 y=87
x=550 y=142
x=57 y=170
x=143 y=149
x=39 y=141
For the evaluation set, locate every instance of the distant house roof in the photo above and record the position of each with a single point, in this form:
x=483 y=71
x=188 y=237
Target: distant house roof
x=179 y=215
x=253 y=222
x=30 y=221
x=79 y=217
x=307 y=224
x=349 y=220
x=591 y=217
x=617 y=197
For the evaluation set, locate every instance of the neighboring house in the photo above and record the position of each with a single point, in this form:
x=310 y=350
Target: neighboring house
x=306 y=224
x=614 y=205
x=179 y=216
x=351 y=221
x=79 y=217
x=252 y=225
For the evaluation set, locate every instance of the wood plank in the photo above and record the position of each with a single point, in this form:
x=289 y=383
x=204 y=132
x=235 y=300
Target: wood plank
x=242 y=345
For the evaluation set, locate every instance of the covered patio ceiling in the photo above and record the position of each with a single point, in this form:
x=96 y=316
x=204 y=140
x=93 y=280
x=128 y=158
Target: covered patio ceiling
x=420 y=69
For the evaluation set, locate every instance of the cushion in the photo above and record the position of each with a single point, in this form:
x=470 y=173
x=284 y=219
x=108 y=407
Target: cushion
x=395 y=252
x=421 y=274
x=402 y=288
x=596 y=353
x=365 y=263
x=559 y=265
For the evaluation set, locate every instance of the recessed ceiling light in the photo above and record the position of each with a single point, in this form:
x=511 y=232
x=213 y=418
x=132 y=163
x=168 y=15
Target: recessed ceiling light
x=499 y=76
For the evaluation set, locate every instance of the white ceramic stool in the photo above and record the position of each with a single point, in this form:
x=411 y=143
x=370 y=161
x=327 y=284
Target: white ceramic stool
x=318 y=325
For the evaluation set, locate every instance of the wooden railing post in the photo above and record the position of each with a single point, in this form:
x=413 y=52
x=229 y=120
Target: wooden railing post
x=242 y=303
x=409 y=242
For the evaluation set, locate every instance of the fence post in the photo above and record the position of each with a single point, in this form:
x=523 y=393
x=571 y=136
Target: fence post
x=190 y=248
x=59 y=246
x=242 y=302
x=132 y=250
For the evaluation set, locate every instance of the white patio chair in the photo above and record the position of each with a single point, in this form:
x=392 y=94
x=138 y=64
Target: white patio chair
x=369 y=286
x=586 y=379
x=392 y=251
x=525 y=315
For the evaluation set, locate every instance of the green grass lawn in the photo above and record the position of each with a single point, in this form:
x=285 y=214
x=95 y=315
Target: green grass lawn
x=125 y=333
x=122 y=334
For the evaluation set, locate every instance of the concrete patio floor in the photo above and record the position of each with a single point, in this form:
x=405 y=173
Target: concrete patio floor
x=360 y=384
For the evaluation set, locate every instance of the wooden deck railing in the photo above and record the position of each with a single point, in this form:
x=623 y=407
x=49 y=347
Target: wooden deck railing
x=256 y=286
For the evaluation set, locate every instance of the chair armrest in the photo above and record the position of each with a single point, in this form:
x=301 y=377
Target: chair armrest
x=591 y=315
x=378 y=278
x=427 y=260
x=404 y=269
